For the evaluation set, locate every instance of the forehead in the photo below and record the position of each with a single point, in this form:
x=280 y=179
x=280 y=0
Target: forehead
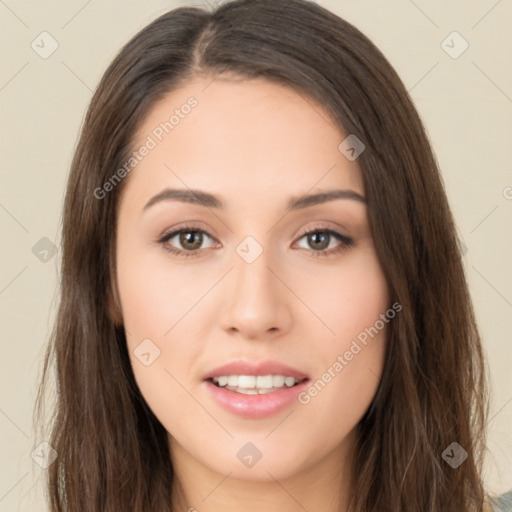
x=223 y=134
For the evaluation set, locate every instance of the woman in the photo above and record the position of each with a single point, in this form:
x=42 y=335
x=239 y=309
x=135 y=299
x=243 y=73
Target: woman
x=261 y=371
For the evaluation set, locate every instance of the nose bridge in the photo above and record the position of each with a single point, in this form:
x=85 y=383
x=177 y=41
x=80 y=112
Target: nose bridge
x=253 y=276
x=257 y=299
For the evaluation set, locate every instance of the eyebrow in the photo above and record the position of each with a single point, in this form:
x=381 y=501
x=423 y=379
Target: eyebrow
x=208 y=200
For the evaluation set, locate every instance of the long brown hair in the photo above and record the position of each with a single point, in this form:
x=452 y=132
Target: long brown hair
x=112 y=451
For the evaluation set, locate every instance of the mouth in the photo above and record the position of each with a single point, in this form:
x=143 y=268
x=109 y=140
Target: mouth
x=254 y=390
x=255 y=385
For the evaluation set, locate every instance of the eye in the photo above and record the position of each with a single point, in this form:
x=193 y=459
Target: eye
x=191 y=239
x=320 y=239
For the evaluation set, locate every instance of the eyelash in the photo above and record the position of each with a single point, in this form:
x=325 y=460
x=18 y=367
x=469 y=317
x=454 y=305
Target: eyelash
x=346 y=242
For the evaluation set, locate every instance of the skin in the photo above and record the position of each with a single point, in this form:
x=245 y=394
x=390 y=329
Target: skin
x=254 y=144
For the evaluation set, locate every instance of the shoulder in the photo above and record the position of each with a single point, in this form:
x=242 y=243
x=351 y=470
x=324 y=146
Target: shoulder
x=502 y=503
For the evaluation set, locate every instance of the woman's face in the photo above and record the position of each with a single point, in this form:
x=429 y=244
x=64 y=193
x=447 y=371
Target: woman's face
x=247 y=286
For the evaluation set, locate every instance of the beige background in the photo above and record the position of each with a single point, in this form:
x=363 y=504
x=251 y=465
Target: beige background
x=465 y=102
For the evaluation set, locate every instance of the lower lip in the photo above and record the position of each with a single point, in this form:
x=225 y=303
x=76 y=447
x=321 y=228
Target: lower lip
x=255 y=406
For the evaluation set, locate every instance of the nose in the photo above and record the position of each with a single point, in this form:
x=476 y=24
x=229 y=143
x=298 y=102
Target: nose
x=258 y=304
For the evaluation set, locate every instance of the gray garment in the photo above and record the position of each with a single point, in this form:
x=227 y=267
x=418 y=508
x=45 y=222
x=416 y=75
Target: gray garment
x=503 y=503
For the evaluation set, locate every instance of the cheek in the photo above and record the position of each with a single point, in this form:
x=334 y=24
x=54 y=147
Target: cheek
x=156 y=323
x=154 y=301
x=155 y=293
x=348 y=298
x=349 y=359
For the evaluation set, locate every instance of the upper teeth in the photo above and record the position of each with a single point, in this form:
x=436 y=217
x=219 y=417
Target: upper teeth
x=252 y=381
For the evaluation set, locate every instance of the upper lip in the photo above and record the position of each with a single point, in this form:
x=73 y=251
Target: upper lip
x=268 y=367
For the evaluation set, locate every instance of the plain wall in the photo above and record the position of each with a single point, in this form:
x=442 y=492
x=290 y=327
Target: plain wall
x=465 y=103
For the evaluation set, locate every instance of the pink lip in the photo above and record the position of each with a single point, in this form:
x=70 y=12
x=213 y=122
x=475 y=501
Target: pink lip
x=255 y=406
